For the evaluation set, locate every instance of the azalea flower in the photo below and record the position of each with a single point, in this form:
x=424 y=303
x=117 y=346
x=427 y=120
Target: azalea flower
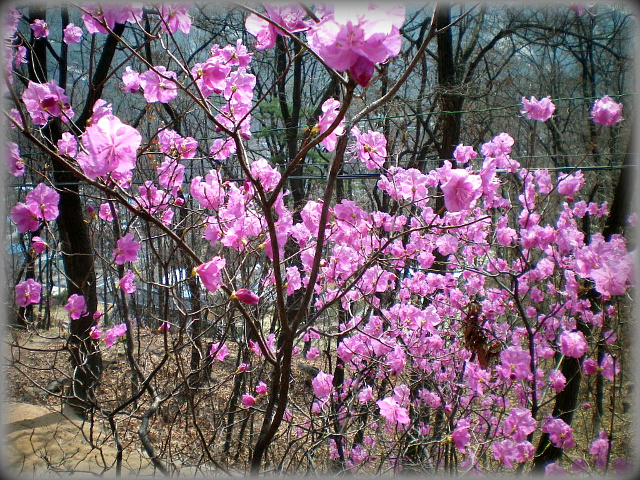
x=393 y=412
x=28 y=292
x=45 y=100
x=126 y=283
x=560 y=433
x=600 y=448
x=268 y=176
x=76 y=306
x=211 y=273
x=72 y=34
x=218 y=352
x=573 y=344
x=104 y=212
x=460 y=189
x=131 y=80
x=43 y=201
x=115 y=332
x=95 y=333
x=157 y=85
x=464 y=153
x=288 y=16
x=174 y=18
x=606 y=112
x=261 y=388
x=246 y=296
x=535 y=109
x=67 y=145
x=126 y=250
x=322 y=384
x=330 y=110
x=248 y=400
x=14 y=161
x=40 y=28
x=38 y=244
x=371 y=148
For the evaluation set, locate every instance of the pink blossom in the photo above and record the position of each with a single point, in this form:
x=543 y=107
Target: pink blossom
x=131 y=80
x=176 y=146
x=559 y=432
x=211 y=75
x=554 y=470
x=261 y=388
x=248 y=400
x=519 y=424
x=105 y=212
x=589 y=366
x=10 y=24
x=460 y=189
x=14 y=115
x=535 y=109
x=330 y=110
x=95 y=333
x=573 y=344
x=600 y=448
x=211 y=273
x=43 y=201
x=126 y=250
x=14 y=161
x=44 y=100
x=40 y=28
x=393 y=412
x=38 y=244
x=515 y=364
x=371 y=148
x=365 y=394
x=67 y=145
x=76 y=306
x=28 y=292
x=557 y=380
x=461 y=436
x=126 y=283
x=72 y=34
x=171 y=174
x=111 y=147
x=294 y=281
x=97 y=17
x=164 y=327
x=115 y=332
x=235 y=117
x=507 y=451
x=312 y=354
x=322 y=384
x=218 y=351
x=157 y=85
x=239 y=86
x=464 y=153
x=607 y=366
x=222 y=148
x=267 y=175
x=569 y=185
x=174 y=18
x=210 y=193
x=355 y=39
x=26 y=218
x=287 y=16
x=606 y=112
x=246 y=296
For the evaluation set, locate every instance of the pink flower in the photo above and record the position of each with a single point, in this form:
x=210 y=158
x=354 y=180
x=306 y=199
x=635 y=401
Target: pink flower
x=557 y=380
x=261 y=388
x=218 y=352
x=105 y=212
x=554 y=470
x=265 y=174
x=28 y=292
x=95 y=333
x=131 y=80
x=211 y=75
x=174 y=18
x=68 y=145
x=43 y=201
x=515 y=364
x=97 y=17
x=248 y=400
x=38 y=244
x=176 y=146
x=40 y=28
x=157 y=85
x=287 y=16
x=461 y=436
x=589 y=366
x=222 y=148
x=72 y=34
x=238 y=87
x=355 y=39
x=519 y=424
x=312 y=354
x=211 y=273
x=210 y=193
x=464 y=153
x=573 y=344
x=365 y=394
x=322 y=384
x=164 y=327
x=126 y=283
x=76 y=306
x=508 y=452
x=535 y=109
x=559 y=432
x=115 y=332
x=607 y=366
x=14 y=161
x=606 y=112
x=44 y=100
x=461 y=189
x=111 y=147
x=371 y=148
x=569 y=185
x=600 y=448
x=25 y=218
x=246 y=296
x=126 y=250
x=330 y=110
x=393 y=412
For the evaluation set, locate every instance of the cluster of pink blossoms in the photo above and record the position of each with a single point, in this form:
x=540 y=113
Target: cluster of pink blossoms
x=535 y=109
x=40 y=204
x=45 y=100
